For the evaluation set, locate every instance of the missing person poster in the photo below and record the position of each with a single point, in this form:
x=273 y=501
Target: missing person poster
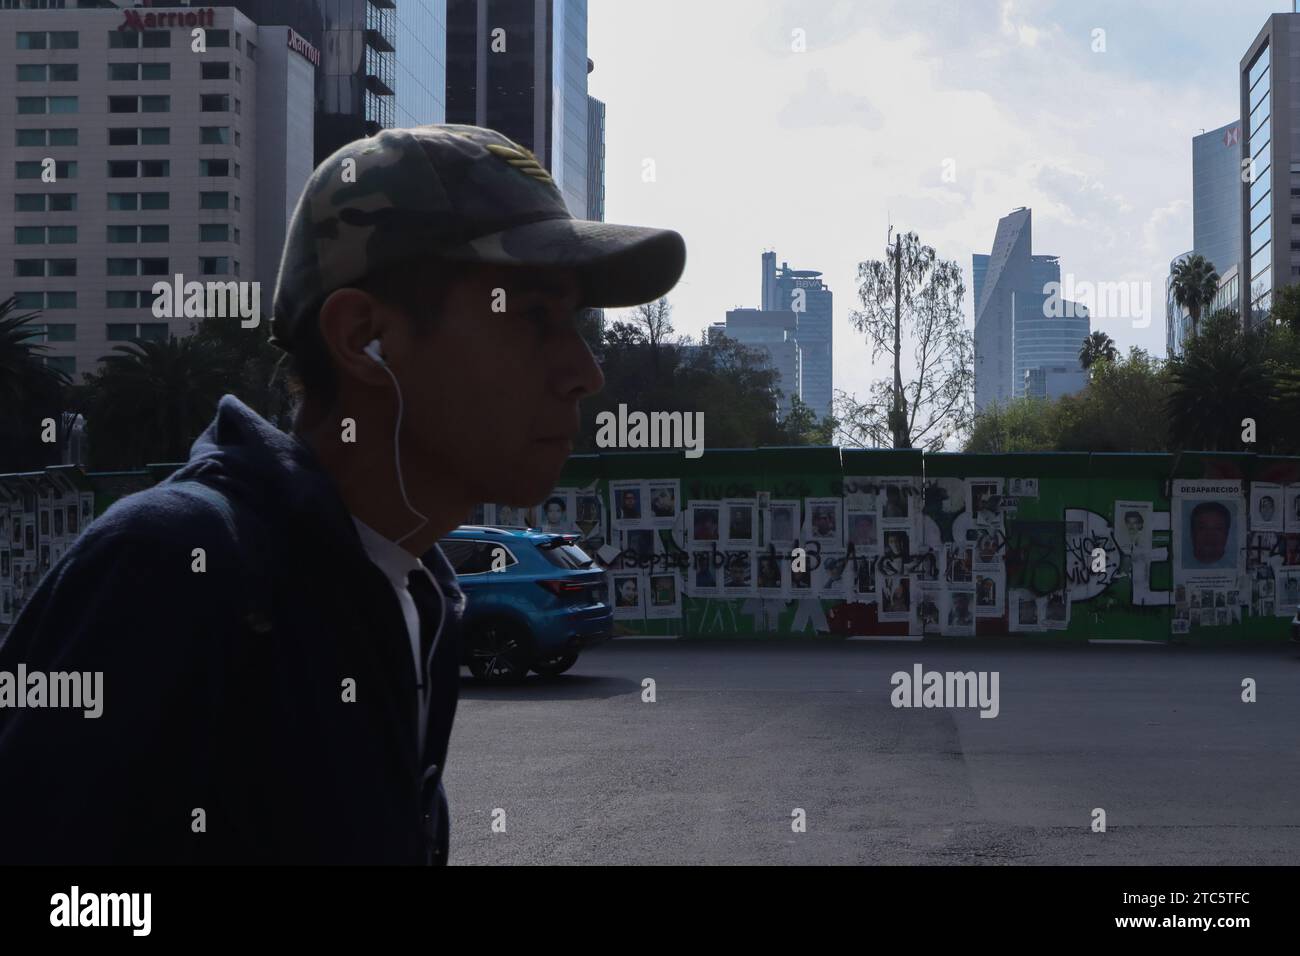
x=557 y=511
x=823 y=522
x=740 y=523
x=1291 y=496
x=781 y=524
x=665 y=596
x=957 y=612
x=628 y=505
x=628 y=589
x=665 y=499
x=1267 y=507
x=703 y=521
x=1133 y=527
x=1209 y=534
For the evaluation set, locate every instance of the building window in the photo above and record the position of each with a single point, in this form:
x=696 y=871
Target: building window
x=218 y=38
x=29 y=268
x=155 y=136
x=154 y=233
x=122 y=299
x=155 y=39
x=67 y=364
x=62 y=234
x=61 y=268
x=154 y=168
x=239 y=76
x=155 y=71
x=60 y=300
x=239 y=41
x=214 y=135
x=213 y=232
x=63 y=40
x=43 y=202
x=45 y=137
x=122 y=234
x=47 y=40
x=214 y=167
x=40 y=268
x=64 y=202
x=214 y=200
x=31 y=40
x=214 y=265
x=153 y=267
x=128 y=331
x=60 y=331
x=155 y=200
x=47 y=72
x=119 y=72
x=29 y=202
x=155 y=104
x=29 y=300
x=214 y=71
x=251 y=52
x=123 y=104
x=214 y=102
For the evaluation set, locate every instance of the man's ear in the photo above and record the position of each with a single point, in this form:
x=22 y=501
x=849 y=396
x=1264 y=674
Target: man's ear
x=350 y=319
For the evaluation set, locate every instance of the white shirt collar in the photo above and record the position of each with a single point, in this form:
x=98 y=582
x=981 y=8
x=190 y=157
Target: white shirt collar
x=395 y=561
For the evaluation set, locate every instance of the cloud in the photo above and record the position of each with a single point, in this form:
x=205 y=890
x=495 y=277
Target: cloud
x=817 y=105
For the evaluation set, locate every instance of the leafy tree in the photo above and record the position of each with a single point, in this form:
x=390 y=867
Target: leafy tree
x=150 y=400
x=1195 y=283
x=30 y=391
x=1286 y=307
x=1096 y=347
x=256 y=375
x=802 y=427
x=1022 y=424
x=911 y=300
x=1221 y=378
x=1119 y=410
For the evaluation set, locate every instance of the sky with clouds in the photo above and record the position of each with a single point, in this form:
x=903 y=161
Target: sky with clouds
x=814 y=154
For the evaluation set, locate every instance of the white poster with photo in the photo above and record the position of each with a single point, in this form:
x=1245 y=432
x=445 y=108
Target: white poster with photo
x=628 y=505
x=801 y=581
x=957 y=612
x=898 y=547
x=989 y=586
x=823 y=521
x=628 y=590
x=861 y=492
x=665 y=499
x=738 y=578
x=771 y=572
x=1291 y=519
x=640 y=546
x=927 y=617
x=1209 y=531
x=831 y=576
x=704 y=577
x=1023 y=488
x=1025 y=611
x=781 y=524
x=1056 y=611
x=863 y=568
x=665 y=595
x=557 y=512
x=703 y=523
x=1133 y=527
x=864 y=531
x=739 y=523
x=513 y=516
x=984 y=501
x=589 y=517
x=988 y=549
x=1267 y=507
x=1288 y=592
x=898 y=501
x=897 y=593
x=959 y=558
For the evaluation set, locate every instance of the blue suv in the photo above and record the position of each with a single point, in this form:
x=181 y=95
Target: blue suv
x=534 y=600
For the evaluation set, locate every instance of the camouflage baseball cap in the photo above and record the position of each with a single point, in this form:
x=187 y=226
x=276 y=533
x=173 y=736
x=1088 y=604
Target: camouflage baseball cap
x=459 y=194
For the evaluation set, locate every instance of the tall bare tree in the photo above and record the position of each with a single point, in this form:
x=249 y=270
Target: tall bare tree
x=911 y=305
x=655 y=319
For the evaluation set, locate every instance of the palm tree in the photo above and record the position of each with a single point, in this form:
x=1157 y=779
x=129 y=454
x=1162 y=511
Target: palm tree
x=30 y=390
x=152 y=399
x=1217 y=382
x=1097 y=346
x=1195 y=282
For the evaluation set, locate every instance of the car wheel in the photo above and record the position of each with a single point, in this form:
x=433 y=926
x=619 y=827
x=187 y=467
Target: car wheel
x=498 y=652
x=553 y=666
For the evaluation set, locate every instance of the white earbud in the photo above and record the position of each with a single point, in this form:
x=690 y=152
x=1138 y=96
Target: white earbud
x=373 y=351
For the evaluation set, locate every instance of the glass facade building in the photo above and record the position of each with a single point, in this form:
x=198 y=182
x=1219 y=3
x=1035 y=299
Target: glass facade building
x=782 y=289
x=1258 y=190
x=1013 y=329
x=520 y=67
x=383 y=62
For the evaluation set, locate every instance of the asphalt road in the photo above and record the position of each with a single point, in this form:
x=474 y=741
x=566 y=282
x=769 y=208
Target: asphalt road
x=741 y=734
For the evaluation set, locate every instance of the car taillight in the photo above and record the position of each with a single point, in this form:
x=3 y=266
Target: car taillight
x=563 y=588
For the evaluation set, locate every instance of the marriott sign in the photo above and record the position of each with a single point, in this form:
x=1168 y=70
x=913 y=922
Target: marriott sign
x=135 y=20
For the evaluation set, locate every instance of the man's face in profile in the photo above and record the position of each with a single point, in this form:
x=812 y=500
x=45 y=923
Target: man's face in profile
x=1209 y=536
x=513 y=379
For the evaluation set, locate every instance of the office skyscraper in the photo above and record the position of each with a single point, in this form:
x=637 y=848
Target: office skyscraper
x=803 y=292
x=383 y=62
x=520 y=67
x=1014 y=331
x=774 y=334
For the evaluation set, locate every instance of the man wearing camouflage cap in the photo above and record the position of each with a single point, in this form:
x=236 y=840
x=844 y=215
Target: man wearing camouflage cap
x=275 y=625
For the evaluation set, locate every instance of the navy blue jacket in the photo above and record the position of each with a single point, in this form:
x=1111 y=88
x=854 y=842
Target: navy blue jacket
x=224 y=691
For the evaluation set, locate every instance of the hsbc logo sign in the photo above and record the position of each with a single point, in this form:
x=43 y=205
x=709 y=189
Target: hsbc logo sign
x=135 y=20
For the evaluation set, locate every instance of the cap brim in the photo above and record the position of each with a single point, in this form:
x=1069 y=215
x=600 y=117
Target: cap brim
x=618 y=266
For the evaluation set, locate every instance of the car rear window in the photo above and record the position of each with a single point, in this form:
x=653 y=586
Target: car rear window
x=568 y=556
x=472 y=557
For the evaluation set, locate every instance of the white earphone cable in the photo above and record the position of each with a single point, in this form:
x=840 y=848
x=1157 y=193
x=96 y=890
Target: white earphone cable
x=397 y=456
